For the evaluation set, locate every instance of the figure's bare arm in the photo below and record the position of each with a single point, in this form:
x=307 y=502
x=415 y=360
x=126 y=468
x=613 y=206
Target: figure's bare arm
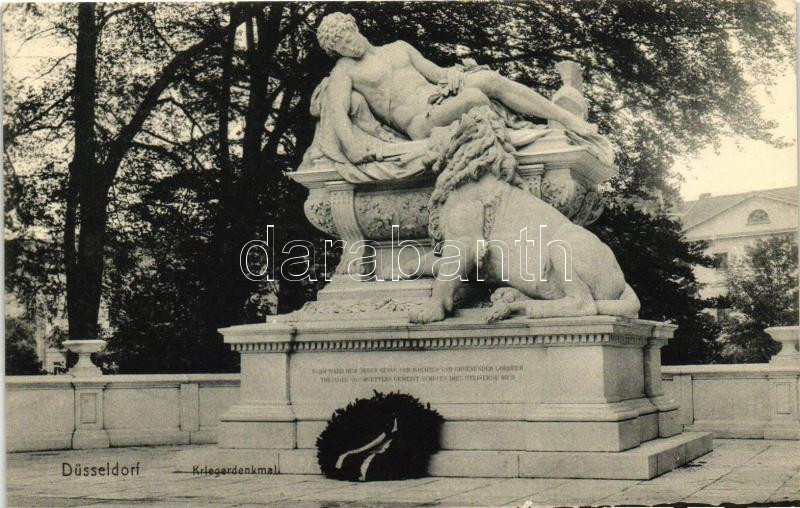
x=430 y=70
x=454 y=76
x=340 y=89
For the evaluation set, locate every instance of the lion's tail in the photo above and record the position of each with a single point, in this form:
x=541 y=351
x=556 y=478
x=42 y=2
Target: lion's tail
x=626 y=306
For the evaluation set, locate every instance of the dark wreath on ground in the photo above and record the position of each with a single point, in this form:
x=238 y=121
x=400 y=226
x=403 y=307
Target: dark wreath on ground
x=385 y=437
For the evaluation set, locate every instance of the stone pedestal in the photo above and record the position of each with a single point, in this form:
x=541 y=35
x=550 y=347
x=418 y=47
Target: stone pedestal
x=89 y=432
x=89 y=384
x=558 y=398
x=561 y=397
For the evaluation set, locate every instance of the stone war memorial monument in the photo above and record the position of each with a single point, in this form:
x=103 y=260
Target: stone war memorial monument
x=467 y=280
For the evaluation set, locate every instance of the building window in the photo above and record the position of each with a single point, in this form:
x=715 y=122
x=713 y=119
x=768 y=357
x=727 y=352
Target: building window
x=721 y=260
x=758 y=217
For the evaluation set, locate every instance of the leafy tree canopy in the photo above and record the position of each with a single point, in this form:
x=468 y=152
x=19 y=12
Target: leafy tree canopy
x=20 y=349
x=204 y=172
x=762 y=292
x=658 y=264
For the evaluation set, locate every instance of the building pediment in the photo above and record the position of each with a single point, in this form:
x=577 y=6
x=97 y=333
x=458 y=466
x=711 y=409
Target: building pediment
x=753 y=213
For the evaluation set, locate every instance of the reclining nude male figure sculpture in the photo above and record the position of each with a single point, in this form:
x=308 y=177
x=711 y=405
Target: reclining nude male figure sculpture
x=408 y=91
x=477 y=197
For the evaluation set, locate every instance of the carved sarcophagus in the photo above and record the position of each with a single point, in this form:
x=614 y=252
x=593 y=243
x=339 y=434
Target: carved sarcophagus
x=554 y=167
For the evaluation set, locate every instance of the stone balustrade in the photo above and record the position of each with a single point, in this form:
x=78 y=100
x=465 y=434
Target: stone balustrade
x=63 y=412
x=755 y=401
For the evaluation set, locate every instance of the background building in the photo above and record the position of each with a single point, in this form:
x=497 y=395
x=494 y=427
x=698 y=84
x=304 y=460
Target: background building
x=732 y=222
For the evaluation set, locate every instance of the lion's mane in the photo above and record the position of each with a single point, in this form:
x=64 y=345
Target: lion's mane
x=473 y=146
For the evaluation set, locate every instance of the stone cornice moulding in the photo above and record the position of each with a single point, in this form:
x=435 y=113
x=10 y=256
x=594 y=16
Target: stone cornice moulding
x=281 y=337
x=38 y=383
x=738 y=371
x=204 y=380
x=596 y=324
x=744 y=234
x=440 y=343
x=98 y=383
x=131 y=381
x=123 y=381
x=747 y=197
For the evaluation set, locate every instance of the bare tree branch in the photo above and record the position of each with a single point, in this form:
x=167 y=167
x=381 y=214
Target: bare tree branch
x=116 y=12
x=153 y=24
x=41 y=114
x=121 y=144
x=56 y=64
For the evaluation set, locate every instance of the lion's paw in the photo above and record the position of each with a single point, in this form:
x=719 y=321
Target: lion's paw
x=427 y=314
x=497 y=312
x=507 y=295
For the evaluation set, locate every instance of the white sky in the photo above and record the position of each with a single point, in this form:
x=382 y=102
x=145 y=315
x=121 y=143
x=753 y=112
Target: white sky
x=752 y=165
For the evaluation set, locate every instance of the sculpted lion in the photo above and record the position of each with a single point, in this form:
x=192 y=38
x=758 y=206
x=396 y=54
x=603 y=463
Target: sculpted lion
x=478 y=196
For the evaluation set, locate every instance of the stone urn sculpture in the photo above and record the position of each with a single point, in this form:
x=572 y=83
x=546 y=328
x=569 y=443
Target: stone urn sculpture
x=84 y=350
x=789 y=337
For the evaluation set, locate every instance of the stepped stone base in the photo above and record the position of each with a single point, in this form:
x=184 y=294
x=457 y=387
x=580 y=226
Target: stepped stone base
x=649 y=460
x=549 y=398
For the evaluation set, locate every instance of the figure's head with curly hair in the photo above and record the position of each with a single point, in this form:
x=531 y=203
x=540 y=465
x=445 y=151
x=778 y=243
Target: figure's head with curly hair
x=338 y=35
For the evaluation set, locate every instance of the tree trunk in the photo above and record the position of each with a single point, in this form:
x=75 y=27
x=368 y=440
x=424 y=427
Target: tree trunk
x=83 y=300
x=224 y=311
x=90 y=180
x=250 y=185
